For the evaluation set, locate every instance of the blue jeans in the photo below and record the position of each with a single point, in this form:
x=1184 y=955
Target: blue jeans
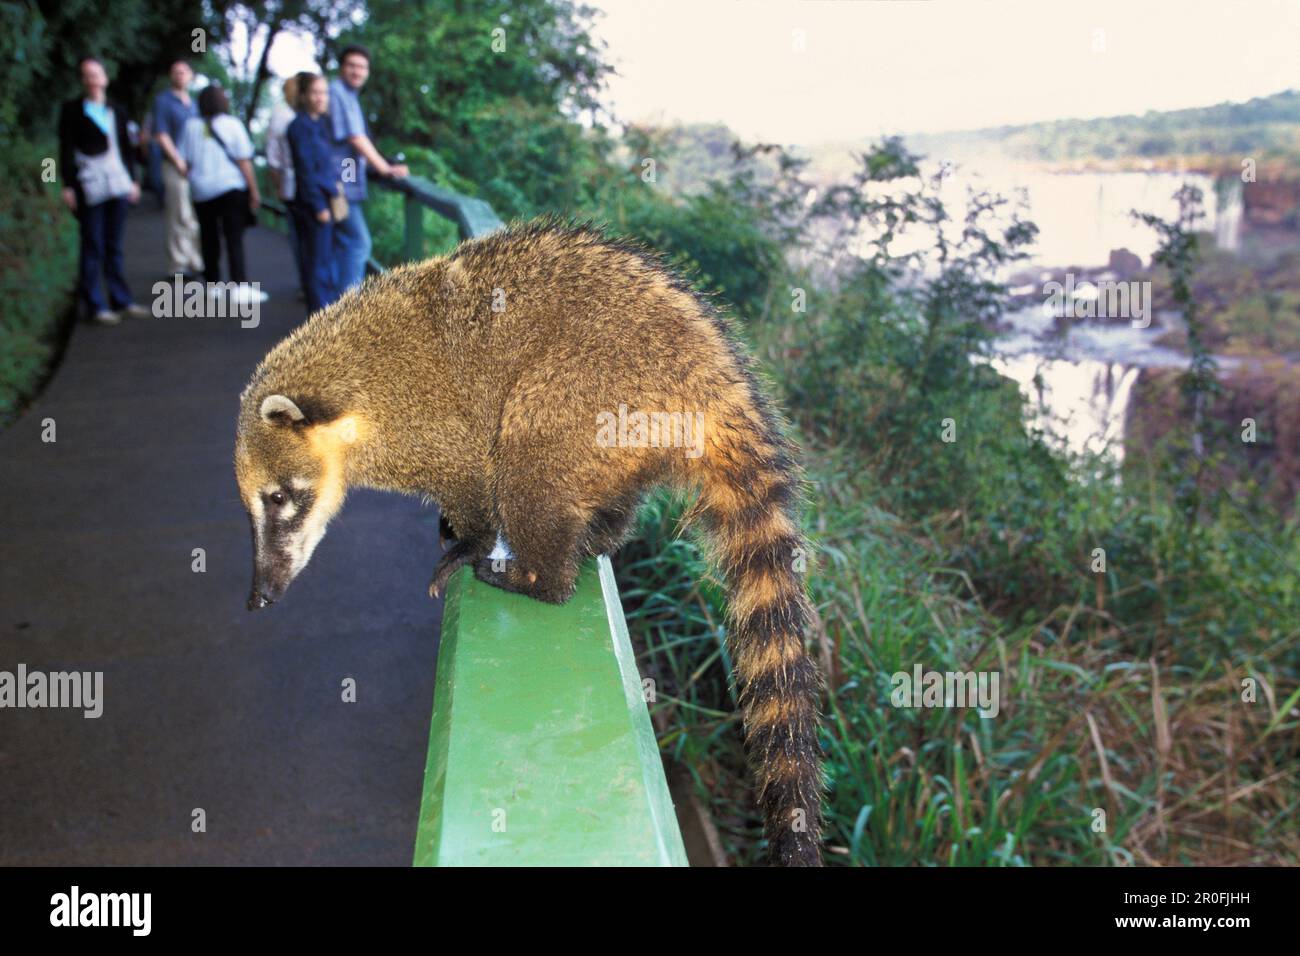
x=153 y=172
x=298 y=244
x=351 y=248
x=101 y=250
x=317 y=244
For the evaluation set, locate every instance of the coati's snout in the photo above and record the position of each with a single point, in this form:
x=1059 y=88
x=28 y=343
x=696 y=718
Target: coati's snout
x=291 y=469
x=268 y=584
x=281 y=543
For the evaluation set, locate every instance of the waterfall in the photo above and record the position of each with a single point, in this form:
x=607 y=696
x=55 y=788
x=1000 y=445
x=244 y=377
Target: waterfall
x=1227 y=207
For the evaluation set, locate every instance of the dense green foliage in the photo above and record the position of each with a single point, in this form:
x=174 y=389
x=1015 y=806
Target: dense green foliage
x=40 y=44
x=498 y=110
x=37 y=270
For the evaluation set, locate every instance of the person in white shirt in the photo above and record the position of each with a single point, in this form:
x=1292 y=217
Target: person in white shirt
x=279 y=161
x=219 y=155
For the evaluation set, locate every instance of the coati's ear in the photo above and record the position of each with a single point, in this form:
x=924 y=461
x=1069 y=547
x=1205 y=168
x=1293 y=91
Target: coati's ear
x=302 y=411
x=280 y=409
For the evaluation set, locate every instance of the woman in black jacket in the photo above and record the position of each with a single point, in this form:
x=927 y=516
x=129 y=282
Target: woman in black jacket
x=98 y=169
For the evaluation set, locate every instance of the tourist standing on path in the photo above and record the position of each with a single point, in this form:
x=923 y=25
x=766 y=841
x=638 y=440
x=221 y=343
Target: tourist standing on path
x=279 y=162
x=98 y=170
x=151 y=162
x=353 y=152
x=219 y=154
x=172 y=109
x=317 y=183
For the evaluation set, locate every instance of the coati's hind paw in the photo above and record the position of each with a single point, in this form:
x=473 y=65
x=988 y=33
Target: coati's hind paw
x=508 y=575
x=456 y=557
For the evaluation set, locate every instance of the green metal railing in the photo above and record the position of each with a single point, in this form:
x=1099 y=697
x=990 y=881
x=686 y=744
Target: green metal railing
x=540 y=746
x=541 y=750
x=473 y=217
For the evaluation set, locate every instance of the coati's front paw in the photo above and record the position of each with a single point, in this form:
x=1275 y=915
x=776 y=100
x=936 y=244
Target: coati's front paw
x=509 y=575
x=460 y=554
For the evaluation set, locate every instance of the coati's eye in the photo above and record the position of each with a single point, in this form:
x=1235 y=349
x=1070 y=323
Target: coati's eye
x=277 y=498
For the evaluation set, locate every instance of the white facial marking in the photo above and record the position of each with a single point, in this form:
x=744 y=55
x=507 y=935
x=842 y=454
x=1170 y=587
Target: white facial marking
x=313 y=527
x=259 y=532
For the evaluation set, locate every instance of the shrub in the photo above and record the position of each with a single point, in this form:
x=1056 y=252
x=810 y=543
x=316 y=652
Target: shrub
x=37 y=273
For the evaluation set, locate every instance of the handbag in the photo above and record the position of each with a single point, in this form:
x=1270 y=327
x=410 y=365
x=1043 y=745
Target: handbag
x=103 y=176
x=252 y=216
x=339 y=205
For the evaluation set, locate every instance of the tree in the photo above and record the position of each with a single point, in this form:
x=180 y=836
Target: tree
x=1179 y=251
x=252 y=27
x=41 y=42
x=497 y=88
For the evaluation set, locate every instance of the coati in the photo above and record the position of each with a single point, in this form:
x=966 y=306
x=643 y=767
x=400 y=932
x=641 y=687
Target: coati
x=479 y=380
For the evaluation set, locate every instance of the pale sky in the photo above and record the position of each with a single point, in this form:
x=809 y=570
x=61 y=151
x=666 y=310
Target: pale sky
x=884 y=66
x=872 y=67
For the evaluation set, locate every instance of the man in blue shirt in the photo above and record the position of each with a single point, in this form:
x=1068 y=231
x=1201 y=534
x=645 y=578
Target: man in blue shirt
x=171 y=109
x=353 y=151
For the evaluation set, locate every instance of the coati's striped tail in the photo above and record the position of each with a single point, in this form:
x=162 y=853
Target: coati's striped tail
x=747 y=508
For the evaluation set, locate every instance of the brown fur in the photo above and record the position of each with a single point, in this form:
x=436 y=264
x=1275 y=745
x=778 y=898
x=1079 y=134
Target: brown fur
x=492 y=414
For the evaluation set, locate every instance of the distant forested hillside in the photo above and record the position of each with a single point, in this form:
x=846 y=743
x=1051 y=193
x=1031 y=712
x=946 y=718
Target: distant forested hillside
x=1264 y=126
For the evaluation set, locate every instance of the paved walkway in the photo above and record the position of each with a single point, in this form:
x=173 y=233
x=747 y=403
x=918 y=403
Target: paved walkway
x=205 y=705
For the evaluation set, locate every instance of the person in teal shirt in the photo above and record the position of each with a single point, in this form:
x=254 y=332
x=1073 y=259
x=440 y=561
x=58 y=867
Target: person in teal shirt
x=97 y=166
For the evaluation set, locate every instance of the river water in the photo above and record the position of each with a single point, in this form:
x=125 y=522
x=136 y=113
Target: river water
x=1079 y=383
